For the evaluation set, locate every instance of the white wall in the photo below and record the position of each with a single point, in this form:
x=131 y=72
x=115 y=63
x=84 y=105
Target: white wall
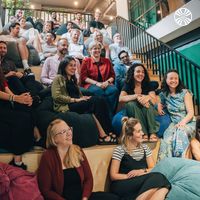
x=122 y=8
x=167 y=29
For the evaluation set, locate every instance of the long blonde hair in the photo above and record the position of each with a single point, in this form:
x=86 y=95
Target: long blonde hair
x=127 y=131
x=74 y=155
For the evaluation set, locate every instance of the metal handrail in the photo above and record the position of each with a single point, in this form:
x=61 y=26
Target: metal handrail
x=159 y=56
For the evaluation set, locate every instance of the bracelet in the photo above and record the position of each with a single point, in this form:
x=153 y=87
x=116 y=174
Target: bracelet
x=12 y=100
x=145 y=170
x=109 y=82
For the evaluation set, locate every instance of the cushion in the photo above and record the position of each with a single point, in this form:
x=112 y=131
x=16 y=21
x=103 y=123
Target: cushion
x=13 y=54
x=184 y=176
x=85 y=132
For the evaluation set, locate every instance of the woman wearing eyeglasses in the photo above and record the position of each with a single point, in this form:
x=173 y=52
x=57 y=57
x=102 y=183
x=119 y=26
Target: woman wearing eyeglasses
x=64 y=172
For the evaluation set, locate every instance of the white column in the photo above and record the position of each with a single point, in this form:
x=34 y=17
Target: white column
x=122 y=8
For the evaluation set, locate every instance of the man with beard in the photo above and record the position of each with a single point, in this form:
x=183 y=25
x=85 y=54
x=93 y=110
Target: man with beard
x=50 y=67
x=122 y=67
x=18 y=82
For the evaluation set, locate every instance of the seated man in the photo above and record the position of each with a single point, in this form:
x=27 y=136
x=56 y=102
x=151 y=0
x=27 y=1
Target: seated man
x=49 y=48
x=121 y=68
x=117 y=47
x=18 y=82
x=50 y=67
x=23 y=50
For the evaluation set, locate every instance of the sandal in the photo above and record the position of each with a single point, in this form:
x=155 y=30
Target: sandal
x=145 y=138
x=103 y=141
x=153 y=138
x=112 y=135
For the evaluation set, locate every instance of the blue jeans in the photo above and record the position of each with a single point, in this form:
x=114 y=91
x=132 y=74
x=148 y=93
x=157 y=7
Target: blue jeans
x=111 y=95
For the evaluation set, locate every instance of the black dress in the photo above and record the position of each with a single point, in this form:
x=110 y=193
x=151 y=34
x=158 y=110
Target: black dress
x=72 y=188
x=130 y=189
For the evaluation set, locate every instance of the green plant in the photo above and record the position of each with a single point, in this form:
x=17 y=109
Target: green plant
x=13 y=5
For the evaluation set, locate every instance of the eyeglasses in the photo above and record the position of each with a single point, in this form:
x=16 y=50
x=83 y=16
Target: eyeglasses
x=124 y=57
x=65 y=131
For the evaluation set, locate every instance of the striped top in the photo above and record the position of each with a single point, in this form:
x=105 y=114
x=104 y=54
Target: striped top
x=136 y=154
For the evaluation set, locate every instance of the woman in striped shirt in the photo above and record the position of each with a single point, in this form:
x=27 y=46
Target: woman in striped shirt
x=131 y=163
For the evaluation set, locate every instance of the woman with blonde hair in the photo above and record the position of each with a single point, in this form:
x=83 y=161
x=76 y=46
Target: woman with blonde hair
x=131 y=164
x=64 y=172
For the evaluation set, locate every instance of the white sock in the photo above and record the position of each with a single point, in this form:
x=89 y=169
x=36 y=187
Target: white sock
x=18 y=163
x=25 y=64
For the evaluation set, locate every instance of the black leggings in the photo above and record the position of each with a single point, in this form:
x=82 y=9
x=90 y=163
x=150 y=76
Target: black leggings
x=95 y=105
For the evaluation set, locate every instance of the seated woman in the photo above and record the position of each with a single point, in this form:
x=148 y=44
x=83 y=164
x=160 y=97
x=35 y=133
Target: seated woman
x=131 y=164
x=139 y=96
x=105 y=52
x=64 y=172
x=178 y=102
x=97 y=75
x=195 y=142
x=16 y=125
x=67 y=96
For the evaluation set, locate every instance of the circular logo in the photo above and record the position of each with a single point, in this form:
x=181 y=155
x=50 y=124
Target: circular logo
x=183 y=16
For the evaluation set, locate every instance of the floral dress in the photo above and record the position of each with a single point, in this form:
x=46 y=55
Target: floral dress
x=176 y=140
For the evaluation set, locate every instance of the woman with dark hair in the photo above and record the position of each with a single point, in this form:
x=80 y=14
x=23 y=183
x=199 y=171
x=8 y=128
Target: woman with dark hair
x=178 y=102
x=131 y=167
x=139 y=97
x=16 y=133
x=68 y=97
x=195 y=142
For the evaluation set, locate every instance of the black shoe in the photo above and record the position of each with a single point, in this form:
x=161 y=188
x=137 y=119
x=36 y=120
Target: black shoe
x=28 y=72
x=22 y=166
x=40 y=144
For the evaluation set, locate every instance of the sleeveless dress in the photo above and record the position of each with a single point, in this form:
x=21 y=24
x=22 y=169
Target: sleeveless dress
x=130 y=189
x=175 y=141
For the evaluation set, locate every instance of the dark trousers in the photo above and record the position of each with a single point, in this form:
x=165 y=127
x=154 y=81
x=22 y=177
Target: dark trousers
x=24 y=84
x=16 y=133
x=97 y=106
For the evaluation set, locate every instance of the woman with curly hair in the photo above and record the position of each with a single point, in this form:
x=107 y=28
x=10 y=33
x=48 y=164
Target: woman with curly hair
x=139 y=97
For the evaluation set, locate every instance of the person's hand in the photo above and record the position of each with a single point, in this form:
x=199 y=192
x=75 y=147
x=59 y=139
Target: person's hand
x=105 y=85
x=86 y=97
x=144 y=100
x=181 y=124
x=160 y=109
x=11 y=73
x=98 y=84
x=19 y=74
x=137 y=172
x=24 y=98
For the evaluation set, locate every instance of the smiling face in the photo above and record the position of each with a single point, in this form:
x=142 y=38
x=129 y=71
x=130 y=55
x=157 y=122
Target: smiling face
x=75 y=34
x=70 y=69
x=62 y=134
x=124 y=57
x=95 y=51
x=23 y=22
x=172 y=80
x=62 y=46
x=139 y=74
x=137 y=133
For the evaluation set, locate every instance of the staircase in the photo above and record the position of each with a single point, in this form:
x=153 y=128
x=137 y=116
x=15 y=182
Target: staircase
x=160 y=57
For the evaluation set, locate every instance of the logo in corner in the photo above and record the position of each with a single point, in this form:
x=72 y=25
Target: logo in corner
x=183 y=16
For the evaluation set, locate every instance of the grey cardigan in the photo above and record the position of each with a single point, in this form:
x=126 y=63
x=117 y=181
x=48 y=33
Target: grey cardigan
x=60 y=94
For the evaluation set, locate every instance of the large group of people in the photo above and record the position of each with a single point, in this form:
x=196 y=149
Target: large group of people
x=92 y=76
